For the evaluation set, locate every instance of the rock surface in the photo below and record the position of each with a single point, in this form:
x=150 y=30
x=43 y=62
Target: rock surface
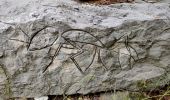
x=86 y=48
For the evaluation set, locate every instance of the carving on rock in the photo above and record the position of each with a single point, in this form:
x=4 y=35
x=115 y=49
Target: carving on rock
x=79 y=46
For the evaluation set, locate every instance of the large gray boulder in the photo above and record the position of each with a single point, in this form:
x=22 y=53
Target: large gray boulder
x=52 y=47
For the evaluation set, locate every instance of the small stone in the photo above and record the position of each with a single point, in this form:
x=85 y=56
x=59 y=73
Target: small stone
x=41 y=98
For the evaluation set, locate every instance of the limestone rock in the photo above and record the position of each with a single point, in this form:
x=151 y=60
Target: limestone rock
x=86 y=48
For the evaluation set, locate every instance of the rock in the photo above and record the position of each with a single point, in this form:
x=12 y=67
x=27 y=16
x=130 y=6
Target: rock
x=41 y=98
x=63 y=47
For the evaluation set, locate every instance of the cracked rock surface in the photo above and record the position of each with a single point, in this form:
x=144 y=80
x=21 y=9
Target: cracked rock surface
x=53 y=47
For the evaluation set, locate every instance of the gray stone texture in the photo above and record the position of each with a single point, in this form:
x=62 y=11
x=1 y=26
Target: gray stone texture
x=124 y=44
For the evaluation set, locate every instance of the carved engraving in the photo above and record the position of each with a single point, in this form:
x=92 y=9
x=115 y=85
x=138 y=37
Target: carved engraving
x=98 y=46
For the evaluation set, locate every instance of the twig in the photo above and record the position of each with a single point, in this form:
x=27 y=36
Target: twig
x=157 y=96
